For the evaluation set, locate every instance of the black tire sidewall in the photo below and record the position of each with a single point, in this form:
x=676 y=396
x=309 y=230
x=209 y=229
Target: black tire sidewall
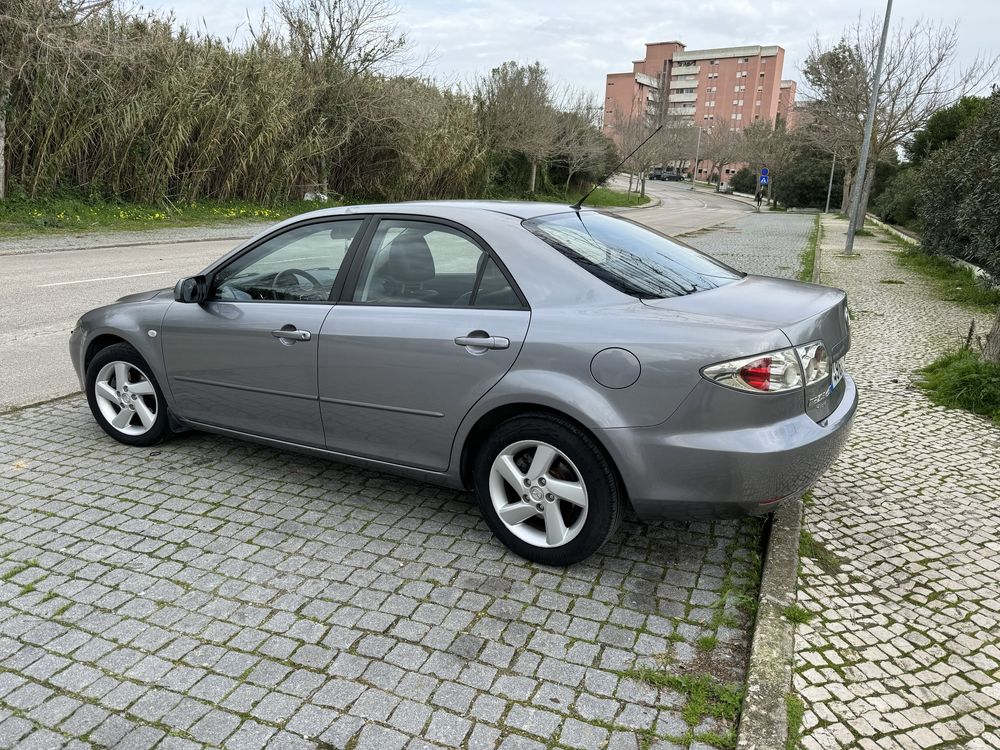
x=125 y=353
x=604 y=497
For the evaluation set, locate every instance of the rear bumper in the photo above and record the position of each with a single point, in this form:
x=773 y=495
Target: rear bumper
x=727 y=473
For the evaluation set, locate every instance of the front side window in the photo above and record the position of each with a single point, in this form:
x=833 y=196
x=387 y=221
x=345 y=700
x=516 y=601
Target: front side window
x=630 y=258
x=421 y=263
x=298 y=265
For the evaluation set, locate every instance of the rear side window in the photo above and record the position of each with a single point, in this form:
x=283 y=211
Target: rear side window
x=629 y=257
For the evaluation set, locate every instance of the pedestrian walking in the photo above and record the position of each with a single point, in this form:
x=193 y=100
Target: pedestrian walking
x=758 y=198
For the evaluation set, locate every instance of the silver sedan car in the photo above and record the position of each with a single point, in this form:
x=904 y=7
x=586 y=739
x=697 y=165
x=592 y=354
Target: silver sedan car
x=560 y=363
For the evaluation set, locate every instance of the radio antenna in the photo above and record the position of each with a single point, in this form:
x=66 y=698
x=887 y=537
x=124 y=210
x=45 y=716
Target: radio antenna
x=579 y=204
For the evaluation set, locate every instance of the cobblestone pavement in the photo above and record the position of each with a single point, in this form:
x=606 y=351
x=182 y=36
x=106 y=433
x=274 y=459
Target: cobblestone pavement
x=769 y=244
x=903 y=537
x=212 y=593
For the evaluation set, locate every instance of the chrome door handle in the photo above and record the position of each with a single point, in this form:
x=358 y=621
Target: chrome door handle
x=291 y=335
x=483 y=342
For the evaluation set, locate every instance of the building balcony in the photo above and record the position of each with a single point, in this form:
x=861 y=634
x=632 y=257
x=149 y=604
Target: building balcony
x=680 y=110
x=685 y=70
x=682 y=98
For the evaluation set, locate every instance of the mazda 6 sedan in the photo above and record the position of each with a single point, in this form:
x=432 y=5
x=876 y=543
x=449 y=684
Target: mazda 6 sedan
x=560 y=363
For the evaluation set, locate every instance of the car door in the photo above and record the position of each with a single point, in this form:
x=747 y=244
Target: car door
x=428 y=323
x=246 y=359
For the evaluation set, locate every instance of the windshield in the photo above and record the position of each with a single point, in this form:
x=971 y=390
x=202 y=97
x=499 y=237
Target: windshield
x=629 y=257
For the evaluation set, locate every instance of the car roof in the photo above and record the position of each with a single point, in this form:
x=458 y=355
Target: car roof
x=448 y=208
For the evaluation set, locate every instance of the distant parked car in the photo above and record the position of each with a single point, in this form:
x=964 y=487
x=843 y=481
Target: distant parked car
x=560 y=363
x=656 y=173
x=725 y=188
x=673 y=177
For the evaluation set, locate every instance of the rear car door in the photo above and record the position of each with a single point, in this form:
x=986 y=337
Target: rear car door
x=429 y=322
x=246 y=359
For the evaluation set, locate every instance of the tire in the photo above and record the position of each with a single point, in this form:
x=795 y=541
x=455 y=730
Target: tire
x=574 y=499
x=110 y=375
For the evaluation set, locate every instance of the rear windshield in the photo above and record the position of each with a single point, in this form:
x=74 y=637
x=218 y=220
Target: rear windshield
x=629 y=257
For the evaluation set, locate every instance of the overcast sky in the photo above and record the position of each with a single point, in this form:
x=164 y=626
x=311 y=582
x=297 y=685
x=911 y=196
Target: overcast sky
x=581 y=41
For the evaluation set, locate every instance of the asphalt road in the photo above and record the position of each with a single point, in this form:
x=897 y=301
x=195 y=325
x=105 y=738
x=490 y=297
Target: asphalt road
x=43 y=293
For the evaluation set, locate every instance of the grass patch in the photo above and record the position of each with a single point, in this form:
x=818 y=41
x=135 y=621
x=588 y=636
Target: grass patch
x=706 y=642
x=706 y=696
x=794 y=709
x=864 y=233
x=601 y=198
x=64 y=215
x=890 y=281
x=961 y=380
x=952 y=283
x=798 y=615
x=808 y=256
x=810 y=547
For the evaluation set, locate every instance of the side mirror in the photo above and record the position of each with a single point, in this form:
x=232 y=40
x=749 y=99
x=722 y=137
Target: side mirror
x=193 y=289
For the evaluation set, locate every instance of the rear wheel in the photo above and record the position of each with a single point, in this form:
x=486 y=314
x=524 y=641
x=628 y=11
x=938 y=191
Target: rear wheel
x=546 y=490
x=125 y=398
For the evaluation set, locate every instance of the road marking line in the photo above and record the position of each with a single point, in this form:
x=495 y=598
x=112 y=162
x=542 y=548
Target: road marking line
x=106 y=278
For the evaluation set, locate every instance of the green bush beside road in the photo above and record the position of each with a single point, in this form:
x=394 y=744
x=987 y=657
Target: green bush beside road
x=961 y=380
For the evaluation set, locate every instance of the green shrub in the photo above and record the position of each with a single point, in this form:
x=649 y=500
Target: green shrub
x=961 y=380
x=959 y=195
x=897 y=204
x=744 y=181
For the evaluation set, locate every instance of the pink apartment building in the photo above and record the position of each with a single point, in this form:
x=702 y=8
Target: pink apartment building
x=729 y=87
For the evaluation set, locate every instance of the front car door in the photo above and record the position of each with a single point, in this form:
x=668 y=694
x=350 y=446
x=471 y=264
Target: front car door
x=430 y=321
x=246 y=359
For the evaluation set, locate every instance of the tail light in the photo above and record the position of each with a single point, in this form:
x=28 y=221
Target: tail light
x=774 y=372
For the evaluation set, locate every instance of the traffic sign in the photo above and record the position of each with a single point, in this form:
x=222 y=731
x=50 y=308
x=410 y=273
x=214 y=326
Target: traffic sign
x=764 y=172
x=763 y=179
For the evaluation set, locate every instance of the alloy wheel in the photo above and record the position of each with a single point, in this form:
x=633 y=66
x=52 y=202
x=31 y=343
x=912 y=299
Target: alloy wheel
x=126 y=398
x=538 y=493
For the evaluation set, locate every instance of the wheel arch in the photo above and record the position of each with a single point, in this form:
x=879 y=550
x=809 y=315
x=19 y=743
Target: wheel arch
x=99 y=342
x=487 y=422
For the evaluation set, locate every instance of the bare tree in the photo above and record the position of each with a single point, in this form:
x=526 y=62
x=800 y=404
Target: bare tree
x=36 y=32
x=918 y=78
x=579 y=145
x=516 y=112
x=722 y=147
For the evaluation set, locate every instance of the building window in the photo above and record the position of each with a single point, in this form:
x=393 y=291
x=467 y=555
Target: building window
x=742 y=60
x=713 y=62
x=712 y=89
x=762 y=74
x=757 y=103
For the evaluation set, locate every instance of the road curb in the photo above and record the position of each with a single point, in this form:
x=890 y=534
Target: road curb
x=764 y=718
x=818 y=253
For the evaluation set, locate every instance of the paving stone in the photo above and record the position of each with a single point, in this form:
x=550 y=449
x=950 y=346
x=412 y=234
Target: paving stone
x=205 y=581
x=907 y=521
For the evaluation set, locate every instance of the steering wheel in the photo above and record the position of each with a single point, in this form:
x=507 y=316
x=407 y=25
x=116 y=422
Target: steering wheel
x=287 y=277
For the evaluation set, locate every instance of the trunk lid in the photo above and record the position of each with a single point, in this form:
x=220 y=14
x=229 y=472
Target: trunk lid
x=803 y=312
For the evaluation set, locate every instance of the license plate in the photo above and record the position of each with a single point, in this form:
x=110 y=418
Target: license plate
x=837 y=374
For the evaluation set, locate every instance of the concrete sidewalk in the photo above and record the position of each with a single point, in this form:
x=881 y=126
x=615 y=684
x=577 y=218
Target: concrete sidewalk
x=901 y=541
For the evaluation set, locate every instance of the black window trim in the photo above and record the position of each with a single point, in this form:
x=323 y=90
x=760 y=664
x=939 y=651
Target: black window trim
x=346 y=295
x=342 y=272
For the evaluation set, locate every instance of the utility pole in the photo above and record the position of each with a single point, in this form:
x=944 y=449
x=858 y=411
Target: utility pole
x=859 y=179
x=697 y=151
x=829 y=187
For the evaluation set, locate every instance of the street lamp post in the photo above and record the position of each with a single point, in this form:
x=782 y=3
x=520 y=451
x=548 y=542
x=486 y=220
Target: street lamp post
x=859 y=178
x=697 y=151
x=829 y=187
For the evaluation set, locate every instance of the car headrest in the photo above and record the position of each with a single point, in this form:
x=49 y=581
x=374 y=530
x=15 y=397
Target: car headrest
x=410 y=259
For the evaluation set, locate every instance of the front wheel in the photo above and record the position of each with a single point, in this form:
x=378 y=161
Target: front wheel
x=547 y=490
x=124 y=397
